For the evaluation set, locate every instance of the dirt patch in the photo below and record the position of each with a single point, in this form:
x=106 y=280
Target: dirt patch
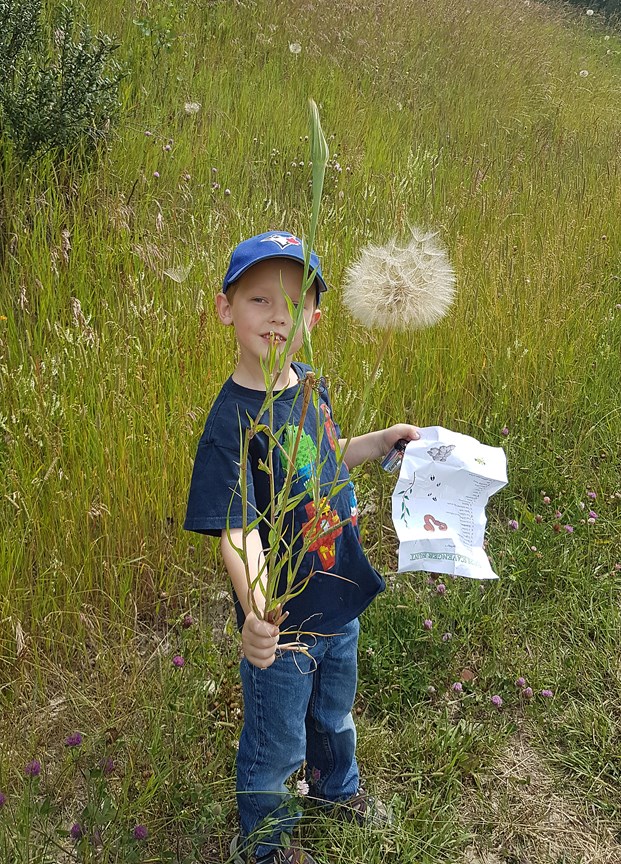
x=520 y=815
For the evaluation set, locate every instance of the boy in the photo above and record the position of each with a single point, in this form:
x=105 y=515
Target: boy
x=289 y=717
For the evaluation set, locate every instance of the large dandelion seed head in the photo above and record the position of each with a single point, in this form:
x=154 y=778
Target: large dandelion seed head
x=399 y=287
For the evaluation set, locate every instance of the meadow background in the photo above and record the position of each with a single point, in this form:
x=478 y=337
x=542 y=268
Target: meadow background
x=494 y=123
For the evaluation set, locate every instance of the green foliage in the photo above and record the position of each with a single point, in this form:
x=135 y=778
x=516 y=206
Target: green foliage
x=18 y=34
x=61 y=83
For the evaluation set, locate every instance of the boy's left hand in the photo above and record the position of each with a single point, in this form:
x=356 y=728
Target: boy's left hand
x=390 y=436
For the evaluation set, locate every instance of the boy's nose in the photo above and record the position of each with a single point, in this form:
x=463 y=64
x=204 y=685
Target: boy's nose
x=280 y=313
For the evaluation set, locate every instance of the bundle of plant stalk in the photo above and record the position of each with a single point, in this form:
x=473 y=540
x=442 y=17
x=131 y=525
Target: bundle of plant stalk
x=284 y=554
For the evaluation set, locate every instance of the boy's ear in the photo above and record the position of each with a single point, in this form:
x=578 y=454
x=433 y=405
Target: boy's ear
x=315 y=318
x=223 y=307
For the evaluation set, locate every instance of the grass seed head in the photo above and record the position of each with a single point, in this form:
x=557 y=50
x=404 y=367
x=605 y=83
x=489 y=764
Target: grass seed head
x=397 y=287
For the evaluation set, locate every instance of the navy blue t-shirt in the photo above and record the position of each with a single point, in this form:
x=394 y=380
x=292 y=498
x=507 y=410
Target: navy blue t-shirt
x=343 y=582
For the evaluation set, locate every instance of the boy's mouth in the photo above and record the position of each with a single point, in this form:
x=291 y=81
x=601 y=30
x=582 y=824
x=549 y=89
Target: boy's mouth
x=274 y=337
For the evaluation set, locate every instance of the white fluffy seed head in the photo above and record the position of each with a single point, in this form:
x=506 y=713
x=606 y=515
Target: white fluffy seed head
x=396 y=287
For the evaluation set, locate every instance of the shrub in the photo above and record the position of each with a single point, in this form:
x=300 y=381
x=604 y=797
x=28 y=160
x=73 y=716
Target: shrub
x=59 y=86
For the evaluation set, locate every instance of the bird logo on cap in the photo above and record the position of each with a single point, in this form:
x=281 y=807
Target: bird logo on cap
x=282 y=240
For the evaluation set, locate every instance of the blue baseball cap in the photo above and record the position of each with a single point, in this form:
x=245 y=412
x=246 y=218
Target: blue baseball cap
x=271 y=244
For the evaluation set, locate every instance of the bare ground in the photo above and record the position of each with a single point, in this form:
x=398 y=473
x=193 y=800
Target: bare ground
x=522 y=815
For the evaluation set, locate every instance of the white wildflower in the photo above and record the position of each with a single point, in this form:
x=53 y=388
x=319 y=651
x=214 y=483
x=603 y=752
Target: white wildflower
x=192 y=107
x=590 y=12
x=302 y=787
x=584 y=73
x=295 y=47
x=401 y=287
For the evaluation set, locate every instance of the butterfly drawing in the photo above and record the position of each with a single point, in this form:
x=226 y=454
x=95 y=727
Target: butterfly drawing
x=441 y=453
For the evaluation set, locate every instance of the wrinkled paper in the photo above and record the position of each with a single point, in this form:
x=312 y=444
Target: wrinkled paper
x=438 y=506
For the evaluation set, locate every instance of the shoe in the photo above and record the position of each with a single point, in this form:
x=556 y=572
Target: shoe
x=281 y=855
x=365 y=810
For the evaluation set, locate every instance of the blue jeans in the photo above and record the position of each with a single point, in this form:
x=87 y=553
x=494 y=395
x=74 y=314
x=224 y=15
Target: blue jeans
x=298 y=709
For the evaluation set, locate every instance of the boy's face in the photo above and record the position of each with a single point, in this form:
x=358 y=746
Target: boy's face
x=258 y=310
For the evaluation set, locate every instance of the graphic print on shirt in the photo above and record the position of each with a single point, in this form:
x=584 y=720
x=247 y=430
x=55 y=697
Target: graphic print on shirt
x=323 y=540
x=329 y=425
x=305 y=458
x=353 y=504
x=320 y=528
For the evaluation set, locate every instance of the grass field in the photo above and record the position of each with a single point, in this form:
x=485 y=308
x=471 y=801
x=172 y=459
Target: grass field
x=494 y=123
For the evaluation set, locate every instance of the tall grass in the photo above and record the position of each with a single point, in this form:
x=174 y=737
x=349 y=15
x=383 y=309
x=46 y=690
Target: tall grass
x=472 y=118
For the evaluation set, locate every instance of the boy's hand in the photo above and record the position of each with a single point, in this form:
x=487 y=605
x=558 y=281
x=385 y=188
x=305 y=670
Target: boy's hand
x=259 y=641
x=390 y=436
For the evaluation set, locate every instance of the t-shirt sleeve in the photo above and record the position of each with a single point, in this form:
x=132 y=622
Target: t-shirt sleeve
x=215 y=494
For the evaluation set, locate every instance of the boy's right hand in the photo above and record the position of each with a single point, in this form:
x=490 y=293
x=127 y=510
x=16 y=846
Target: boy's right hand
x=259 y=641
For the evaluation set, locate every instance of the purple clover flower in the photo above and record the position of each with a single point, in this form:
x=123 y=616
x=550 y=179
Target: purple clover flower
x=140 y=832
x=513 y=524
x=592 y=495
x=33 y=768
x=457 y=687
x=187 y=622
x=546 y=499
x=569 y=528
x=520 y=682
x=76 y=831
x=592 y=514
x=178 y=661
x=2 y=799
x=73 y=740
x=440 y=588
x=107 y=765
x=527 y=693
x=496 y=701
x=557 y=514
x=547 y=694
x=446 y=637
x=156 y=174
x=427 y=624
x=504 y=431
x=315 y=775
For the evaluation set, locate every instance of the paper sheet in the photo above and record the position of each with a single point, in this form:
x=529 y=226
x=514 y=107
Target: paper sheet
x=438 y=506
